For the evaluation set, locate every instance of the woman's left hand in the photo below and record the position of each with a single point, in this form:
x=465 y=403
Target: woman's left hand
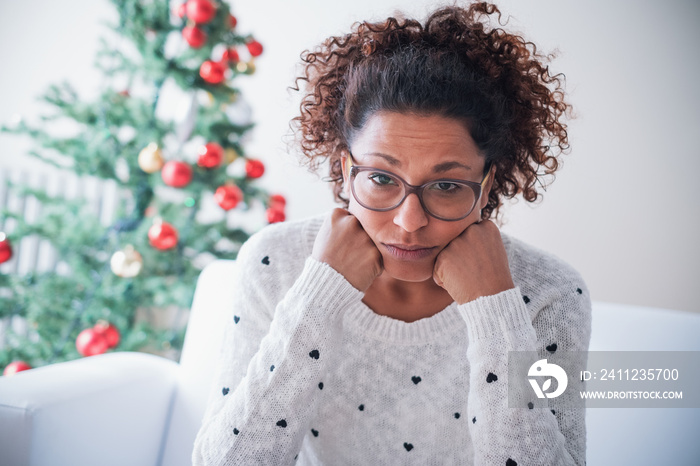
x=474 y=264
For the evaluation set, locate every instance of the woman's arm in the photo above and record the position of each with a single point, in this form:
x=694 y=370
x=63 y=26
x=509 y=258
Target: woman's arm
x=273 y=358
x=503 y=434
x=474 y=268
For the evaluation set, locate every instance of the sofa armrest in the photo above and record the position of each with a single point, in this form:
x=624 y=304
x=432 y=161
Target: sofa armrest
x=110 y=409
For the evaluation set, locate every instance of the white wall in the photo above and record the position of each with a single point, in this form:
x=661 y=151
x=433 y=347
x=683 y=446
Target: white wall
x=623 y=208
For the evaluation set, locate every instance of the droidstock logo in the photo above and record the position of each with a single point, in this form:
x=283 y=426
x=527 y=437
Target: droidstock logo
x=543 y=369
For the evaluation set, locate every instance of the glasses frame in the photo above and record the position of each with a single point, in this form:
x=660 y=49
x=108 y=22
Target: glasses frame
x=409 y=189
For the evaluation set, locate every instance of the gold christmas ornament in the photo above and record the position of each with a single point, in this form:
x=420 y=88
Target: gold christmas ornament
x=251 y=67
x=151 y=158
x=230 y=155
x=245 y=67
x=126 y=263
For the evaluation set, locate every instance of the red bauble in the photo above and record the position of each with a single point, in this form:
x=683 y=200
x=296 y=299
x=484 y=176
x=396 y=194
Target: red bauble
x=176 y=174
x=232 y=21
x=230 y=56
x=228 y=196
x=275 y=214
x=200 y=11
x=194 y=36
x=90 y=342
x=162 y=235
x=180 y=11
x=15 y=367
x=5 y=248
x=212 y=71
x=109 y=331
x=210 y=155
x=278 y=200
x=254 y=168
x=255 y=48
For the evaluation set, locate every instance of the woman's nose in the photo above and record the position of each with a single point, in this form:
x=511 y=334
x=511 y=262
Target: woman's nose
x=410 y=215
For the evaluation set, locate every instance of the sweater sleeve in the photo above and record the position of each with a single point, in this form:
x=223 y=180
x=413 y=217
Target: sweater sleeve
x=503 y=434
x=272 y=361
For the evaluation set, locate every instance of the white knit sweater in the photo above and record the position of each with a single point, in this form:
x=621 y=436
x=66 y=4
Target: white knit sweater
x=309 y=375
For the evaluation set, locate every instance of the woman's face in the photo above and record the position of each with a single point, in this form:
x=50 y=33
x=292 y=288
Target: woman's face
x=418 y=149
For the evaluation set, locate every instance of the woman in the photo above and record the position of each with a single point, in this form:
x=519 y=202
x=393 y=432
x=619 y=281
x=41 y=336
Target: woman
x=380 y=333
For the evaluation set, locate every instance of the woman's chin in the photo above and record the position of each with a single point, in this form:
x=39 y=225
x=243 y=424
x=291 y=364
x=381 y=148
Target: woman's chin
x=408 y=271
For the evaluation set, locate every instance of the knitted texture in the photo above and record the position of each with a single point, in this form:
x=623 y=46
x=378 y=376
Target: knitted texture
x=309 y=375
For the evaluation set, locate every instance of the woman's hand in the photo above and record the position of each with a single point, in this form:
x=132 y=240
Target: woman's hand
x=343 y=244
x=474 y=264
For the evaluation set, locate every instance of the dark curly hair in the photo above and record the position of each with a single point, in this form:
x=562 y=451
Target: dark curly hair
x=454 y=65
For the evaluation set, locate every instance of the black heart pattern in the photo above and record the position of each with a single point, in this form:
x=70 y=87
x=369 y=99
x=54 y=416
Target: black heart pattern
x=315 y=432
x=416 y=379
x=282 y=423
x=361 y=407
x=236 y=319
x=320 y=385
x=552 y=348
x=266 y=260
x=474 y=420
x=553 y=412
x=579 y=291
x=315 y=354
x=224 y=391
x=272 y=368
x=526 y=299
x=510 y=462
x=457 y=415
x=408 y=446
x=491 y=377
x=530 y=405
x=236 y=431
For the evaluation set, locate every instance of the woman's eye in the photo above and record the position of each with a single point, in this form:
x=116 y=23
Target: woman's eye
x=381 y=179
x=445 y=186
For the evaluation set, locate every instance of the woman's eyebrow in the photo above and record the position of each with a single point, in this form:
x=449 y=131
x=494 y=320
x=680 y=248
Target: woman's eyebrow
x=439 y=168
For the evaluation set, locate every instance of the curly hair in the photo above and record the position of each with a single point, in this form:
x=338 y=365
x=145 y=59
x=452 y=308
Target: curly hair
x=455 y=66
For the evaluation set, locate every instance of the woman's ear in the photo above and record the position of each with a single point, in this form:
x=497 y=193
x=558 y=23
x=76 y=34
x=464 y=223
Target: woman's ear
x=487 y=187
x=344 y=167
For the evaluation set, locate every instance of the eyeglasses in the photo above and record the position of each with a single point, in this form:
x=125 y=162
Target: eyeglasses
x=444 y=199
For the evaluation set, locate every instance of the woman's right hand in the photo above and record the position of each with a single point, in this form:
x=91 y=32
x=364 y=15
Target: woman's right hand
x=343 y=244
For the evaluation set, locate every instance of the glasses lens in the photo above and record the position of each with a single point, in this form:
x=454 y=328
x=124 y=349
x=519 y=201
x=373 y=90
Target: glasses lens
x=449 y=199
x=377 y=190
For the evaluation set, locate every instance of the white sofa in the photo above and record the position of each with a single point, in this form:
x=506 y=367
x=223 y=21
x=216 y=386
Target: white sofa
x=134 y=409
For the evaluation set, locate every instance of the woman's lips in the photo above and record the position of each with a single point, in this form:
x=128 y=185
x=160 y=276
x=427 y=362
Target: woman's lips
x=409 y=252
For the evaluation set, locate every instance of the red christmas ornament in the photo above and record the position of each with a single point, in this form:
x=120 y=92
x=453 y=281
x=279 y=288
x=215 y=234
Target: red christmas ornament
x=200 y=11
x=109 y=332
x=91 y=342
x=180 y=11
x=212 y=71
x=162 y=235
x=230 y=56
x=176 y=174
x=15 y=367
x=5 y=248
x=275 y=214
x=210 y=155
x=228 y=196
x=254 y=168
x=278 y=200
x=255 y=48
x=232 y=21
x=194 y=36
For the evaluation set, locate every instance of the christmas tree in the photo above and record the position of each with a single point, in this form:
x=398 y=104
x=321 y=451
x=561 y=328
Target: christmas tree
x=187 y=188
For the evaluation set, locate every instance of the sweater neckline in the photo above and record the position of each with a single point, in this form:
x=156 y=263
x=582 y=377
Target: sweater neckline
x=364 y=320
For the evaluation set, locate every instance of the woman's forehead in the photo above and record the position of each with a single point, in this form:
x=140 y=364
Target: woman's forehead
x=401 y=139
